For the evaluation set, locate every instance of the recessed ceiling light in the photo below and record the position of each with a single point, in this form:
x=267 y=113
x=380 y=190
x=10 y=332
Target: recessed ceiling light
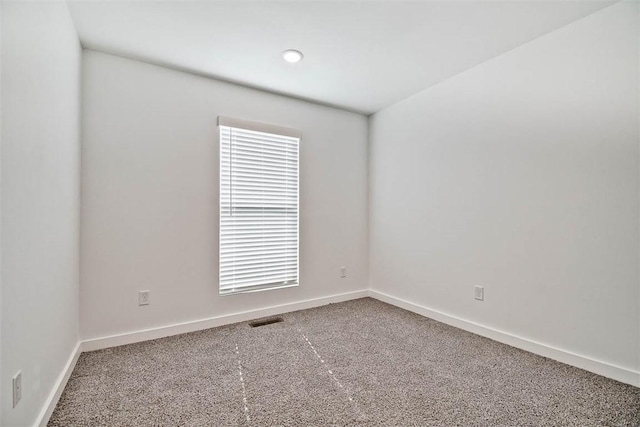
x=292 y=55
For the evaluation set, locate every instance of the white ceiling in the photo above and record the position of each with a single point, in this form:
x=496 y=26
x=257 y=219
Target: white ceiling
x=359 y=55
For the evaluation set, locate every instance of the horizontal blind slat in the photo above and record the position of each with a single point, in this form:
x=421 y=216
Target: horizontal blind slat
x=251 y=272
x=250 y=263
x=258 y=284
x=252 y=248
x=261 y=139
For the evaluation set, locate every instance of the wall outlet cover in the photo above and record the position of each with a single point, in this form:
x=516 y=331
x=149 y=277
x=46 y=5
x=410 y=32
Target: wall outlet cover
x=143 y=297
x=17 y=389
x=479 y=293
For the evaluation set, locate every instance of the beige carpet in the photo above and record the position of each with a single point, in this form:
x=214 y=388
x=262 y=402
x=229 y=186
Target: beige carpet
x=358 y=363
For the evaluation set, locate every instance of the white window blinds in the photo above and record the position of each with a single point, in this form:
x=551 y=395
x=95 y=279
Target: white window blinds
x=258 y=206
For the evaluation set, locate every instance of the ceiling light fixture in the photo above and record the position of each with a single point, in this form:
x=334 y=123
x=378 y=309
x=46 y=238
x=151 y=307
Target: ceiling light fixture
x=292 y=55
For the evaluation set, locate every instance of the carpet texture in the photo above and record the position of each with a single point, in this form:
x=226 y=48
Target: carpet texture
x=357 y=363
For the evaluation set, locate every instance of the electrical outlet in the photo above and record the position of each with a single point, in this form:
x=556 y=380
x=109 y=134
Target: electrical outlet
x=17 y=389
x=343 y=272
x=479 y=293
x=143 y=297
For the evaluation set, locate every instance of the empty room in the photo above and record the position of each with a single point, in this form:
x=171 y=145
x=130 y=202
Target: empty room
x=319 y=213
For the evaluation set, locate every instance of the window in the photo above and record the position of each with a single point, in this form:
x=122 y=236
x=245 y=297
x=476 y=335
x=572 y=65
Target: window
x=259 y=220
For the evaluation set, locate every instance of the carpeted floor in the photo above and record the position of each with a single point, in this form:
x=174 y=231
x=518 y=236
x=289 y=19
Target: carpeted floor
x=357 y=363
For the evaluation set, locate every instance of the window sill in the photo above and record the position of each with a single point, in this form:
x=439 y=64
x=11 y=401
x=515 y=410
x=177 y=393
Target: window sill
x=230 y=292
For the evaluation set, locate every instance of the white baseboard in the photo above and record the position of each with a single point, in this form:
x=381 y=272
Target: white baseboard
x=58 y=388
x=588 y=364
x=212 y=322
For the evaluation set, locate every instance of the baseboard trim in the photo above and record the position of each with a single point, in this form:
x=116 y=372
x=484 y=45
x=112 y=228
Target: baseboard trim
x=588 y=364
x=58 y=388
x=212 y=322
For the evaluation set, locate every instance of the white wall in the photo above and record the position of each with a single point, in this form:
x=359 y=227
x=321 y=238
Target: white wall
x=40 y=201
x=150 y=195
x=522 y=175
x=1 y=121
